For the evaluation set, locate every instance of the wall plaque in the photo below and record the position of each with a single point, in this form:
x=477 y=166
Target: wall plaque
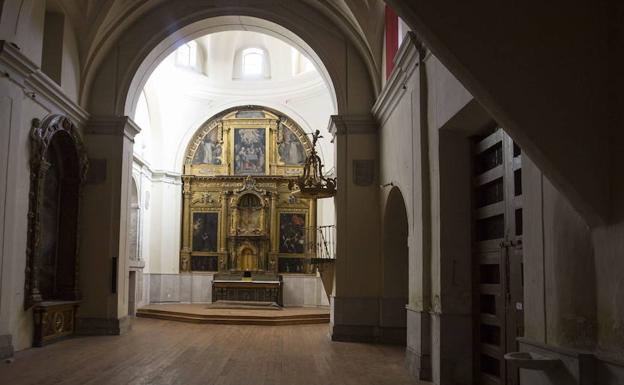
x=363 y=172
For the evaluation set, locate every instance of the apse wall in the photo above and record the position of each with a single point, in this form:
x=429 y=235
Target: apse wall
x=177 y=99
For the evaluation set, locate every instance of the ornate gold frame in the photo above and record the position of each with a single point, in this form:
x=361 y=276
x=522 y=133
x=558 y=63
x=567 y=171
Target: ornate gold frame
x=211 y=252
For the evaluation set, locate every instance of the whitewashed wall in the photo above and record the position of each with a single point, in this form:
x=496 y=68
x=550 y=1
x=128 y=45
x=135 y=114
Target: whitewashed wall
x=176 y=101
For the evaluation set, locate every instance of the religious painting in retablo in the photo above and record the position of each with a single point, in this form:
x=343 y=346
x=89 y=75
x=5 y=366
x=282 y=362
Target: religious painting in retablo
x=249 y=151
x=209 y=150
x=292 y=233
x=205 y=226
x=291 y=150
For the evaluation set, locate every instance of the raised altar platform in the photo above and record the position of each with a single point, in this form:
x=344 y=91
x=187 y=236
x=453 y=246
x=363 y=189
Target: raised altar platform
x=201 y=313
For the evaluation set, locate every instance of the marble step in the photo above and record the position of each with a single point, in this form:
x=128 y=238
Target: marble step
x=207 y=314
x=235 y=320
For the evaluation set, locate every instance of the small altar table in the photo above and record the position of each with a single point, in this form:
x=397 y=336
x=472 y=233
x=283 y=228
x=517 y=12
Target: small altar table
x=241 y=290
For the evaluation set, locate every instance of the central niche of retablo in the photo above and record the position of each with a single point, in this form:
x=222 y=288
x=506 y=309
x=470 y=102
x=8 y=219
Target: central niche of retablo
x=239 y=218
x=250 y=238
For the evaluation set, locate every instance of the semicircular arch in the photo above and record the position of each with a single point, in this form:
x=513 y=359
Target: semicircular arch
x=132 y=58
x=211 y=124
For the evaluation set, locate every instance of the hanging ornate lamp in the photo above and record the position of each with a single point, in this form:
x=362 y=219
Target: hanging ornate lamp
x=312 y=184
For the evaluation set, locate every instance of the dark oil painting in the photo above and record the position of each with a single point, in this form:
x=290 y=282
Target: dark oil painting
x=292 y=233
x=205 y=227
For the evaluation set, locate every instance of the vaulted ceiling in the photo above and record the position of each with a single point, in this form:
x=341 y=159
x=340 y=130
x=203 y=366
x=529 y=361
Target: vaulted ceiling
x=98 y=21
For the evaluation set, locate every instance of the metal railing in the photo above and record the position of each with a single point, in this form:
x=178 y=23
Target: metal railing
x=323 y=243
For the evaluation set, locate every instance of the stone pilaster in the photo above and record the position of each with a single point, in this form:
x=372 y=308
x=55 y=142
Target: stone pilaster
x=355 y=305
x=105 y=217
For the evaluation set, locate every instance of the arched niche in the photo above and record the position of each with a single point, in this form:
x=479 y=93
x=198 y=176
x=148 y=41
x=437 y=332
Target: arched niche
x=395 y=266
x=58 y=166
x=250 y=213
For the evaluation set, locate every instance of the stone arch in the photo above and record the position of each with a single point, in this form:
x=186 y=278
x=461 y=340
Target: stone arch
x=395 y=267
x=115 y=74
x=131 y=58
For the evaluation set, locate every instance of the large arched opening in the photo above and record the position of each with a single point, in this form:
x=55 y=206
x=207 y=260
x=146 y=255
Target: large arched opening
x=337 y=55
x=143 y=45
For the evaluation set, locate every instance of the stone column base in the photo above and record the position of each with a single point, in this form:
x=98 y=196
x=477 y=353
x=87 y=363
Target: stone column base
x=368 y=333
x=418 y=352
x=392 y=335
x=6 y=346
x=355 y=319
x=103 y=326
x=419 y=366
x=353 y=333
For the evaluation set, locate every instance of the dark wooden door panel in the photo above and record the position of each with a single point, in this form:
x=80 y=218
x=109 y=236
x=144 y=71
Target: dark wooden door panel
x=497 y=250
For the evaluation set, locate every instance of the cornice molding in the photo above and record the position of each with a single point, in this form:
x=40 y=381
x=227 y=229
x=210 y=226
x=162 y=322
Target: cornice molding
x=12 y=59
x=142 y=163
x=140 y=166
x=410 y=55
x=352 y=125
x=112 y=125
x=165 y=176
x=37 y=85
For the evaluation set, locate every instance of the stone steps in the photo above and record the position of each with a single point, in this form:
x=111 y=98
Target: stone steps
x=235 y=319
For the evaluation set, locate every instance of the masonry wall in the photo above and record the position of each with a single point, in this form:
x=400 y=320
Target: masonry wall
x=426 y=117
x=572 y=289
x=25 y=94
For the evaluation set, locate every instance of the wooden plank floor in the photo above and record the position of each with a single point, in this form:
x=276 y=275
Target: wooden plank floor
x=165 y=352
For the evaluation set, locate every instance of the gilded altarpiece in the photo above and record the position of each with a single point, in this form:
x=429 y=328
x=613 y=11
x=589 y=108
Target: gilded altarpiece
x=238 y=212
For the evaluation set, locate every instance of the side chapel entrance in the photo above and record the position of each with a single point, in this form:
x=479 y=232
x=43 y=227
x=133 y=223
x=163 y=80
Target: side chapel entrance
x=395 y=270
x=497 y=255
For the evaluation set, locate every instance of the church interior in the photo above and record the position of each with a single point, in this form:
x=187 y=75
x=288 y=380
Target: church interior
x=311 y=192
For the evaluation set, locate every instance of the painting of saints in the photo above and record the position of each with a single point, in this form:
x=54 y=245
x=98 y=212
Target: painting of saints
x=290 y=150
x=209 y=150
x=292 y=233
x=249 y=151
x=205 y=227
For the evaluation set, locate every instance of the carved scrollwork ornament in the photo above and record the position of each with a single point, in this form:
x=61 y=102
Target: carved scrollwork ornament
x=185 y=263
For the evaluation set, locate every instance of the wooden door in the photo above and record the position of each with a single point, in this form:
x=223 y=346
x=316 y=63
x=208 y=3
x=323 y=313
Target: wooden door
x=497 y=251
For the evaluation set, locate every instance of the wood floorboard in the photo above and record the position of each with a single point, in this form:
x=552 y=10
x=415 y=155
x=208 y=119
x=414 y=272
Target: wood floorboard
x=158 y=352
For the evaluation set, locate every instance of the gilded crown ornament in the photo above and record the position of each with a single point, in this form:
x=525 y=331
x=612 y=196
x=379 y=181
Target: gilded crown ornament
x=312 y=183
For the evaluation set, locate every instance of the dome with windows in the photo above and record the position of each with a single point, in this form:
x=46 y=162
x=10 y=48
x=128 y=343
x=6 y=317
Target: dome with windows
x=189 y=86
